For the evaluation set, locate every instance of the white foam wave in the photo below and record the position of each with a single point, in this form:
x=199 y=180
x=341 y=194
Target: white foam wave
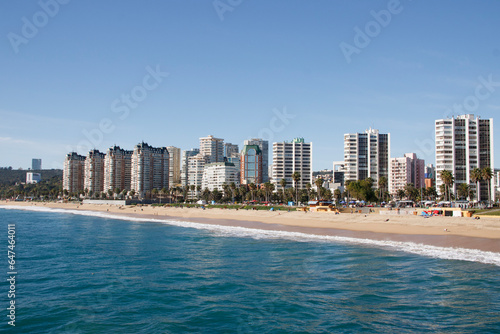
x=448 y=253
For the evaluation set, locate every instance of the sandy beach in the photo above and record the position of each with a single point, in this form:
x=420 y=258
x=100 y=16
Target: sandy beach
x=483 y=234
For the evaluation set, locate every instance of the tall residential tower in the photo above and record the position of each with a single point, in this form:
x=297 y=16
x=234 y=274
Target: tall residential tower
x=366 y=155
x=462 y=144
x=289 y=158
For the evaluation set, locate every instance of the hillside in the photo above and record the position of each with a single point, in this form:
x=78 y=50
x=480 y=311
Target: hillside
x=10 y=177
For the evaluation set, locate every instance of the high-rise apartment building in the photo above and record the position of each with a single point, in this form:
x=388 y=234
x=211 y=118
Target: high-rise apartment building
x=73 y=172
x=94 y=172
x=250 y=165
x=405 y=170
x=212 y=149
x=366 y=155
x=195 y=167
x=149 y=169
x=264 y=148
x=289 y=158
x=117 y=169
x=174 y=165
x=462 y=144
x=185 y=165
x=215 y=175
x=230 y=150
x=36 y=164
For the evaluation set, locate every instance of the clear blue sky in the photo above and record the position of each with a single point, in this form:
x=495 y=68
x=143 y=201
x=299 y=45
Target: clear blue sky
x=228 y=77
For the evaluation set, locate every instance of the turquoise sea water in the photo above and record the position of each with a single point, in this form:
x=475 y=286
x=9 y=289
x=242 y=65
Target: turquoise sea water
x=89 y=274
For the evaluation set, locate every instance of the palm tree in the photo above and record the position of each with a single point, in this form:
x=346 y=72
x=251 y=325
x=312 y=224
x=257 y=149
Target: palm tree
x=232 y=186
x=476 y=176
x=308 y=189
x=448 y=179
x=486 y=175
x=382 y=185
x=296 y=179
x=319 y=183
x=400 y=193
x=154 y=193
x=252 y=188
x=192 y=188
x=463 y=190
x=198 y=190
x=163 y=191
x=338 y=195
x=283 y=186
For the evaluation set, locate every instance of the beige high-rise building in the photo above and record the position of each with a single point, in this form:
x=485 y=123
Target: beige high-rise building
x=117 y=169
x=94 y=172
x=149 y=169
x=174 y=165
x=73 y=172
x=212 y=149
x=289 y=158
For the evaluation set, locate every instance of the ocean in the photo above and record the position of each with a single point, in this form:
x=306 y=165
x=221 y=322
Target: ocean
x=80 y=272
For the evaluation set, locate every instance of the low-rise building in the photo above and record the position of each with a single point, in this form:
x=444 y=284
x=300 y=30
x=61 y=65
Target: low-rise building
x=32 y=178
x=215 y=175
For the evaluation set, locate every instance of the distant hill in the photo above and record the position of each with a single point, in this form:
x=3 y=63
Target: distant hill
x=10 y=177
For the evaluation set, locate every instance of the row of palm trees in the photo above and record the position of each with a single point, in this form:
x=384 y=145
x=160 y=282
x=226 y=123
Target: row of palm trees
x=476 y=176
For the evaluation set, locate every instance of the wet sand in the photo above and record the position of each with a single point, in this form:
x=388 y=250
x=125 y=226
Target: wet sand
x=482 y=234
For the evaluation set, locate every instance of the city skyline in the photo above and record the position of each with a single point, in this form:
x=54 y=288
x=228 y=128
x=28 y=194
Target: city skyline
x=170 y=73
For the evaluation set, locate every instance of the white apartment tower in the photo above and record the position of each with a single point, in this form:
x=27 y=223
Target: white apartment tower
x=212 y=149
x=185 y=165
x=174 y=165
x=149 y=169
x=94 y=172
x=264 y=147
x=289 y=158
x=366 y=155
x=405 y=170
x=215 y=175
x=462 y=144
x=195 y=168
x=73 y=172
x=117 y=168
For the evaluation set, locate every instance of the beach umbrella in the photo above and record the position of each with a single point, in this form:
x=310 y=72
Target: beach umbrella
x=342 y=202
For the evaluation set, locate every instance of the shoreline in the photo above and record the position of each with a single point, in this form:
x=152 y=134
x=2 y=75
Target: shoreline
x=482 y=234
